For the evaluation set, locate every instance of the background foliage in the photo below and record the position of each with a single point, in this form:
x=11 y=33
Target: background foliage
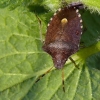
x=22 y=59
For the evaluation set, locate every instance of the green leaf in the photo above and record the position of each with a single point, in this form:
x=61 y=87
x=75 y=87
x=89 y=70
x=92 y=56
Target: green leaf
x=22 y=59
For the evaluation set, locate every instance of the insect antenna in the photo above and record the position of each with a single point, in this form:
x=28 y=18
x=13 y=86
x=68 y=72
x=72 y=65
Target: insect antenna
x=40 y=27
x=73 y=62
x=63 y=85
x=39 y=78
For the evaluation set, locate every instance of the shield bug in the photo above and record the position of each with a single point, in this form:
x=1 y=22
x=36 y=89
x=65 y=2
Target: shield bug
x=63 y=35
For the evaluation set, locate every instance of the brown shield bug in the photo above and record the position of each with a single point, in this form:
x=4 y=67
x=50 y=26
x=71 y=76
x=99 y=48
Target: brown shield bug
x=63 y=35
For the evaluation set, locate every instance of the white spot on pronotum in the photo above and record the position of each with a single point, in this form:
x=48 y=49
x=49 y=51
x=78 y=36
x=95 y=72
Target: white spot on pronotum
x=50 y=18
x=81 y=26
x=48 y=24
x=81 y=32
x=59 y=9
x=78 y=45
x=79 y=15
x=55 y=14
x=74 y=7
x=77 y=11
x=81 y=21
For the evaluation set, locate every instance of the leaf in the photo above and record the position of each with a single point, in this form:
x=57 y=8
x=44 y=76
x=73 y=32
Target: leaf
x=22 y=59
x=19 y=46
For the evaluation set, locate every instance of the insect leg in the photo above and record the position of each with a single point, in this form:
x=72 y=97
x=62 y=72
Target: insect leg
x=43 y=75
x=73 y=62
x=63 y=85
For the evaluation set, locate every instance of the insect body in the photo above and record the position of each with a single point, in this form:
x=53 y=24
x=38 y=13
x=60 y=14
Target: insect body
x=63 y=34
